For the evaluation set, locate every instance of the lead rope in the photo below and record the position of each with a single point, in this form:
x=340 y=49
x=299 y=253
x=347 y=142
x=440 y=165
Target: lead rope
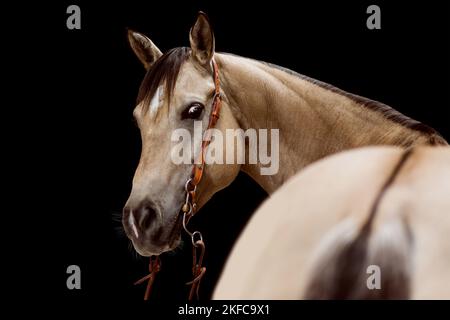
x=153 y=267
x=190 y=206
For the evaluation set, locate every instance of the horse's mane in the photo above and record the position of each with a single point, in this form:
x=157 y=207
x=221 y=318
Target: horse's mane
x=165 y=69
x=387 y=111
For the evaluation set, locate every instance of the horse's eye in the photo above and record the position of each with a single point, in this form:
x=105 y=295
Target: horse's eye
x=193 y=111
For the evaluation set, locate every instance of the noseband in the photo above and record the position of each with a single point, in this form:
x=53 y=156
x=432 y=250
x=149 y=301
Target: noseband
x=189 y=207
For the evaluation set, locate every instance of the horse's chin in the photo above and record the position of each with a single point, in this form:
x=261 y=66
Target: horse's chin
x=148 y=251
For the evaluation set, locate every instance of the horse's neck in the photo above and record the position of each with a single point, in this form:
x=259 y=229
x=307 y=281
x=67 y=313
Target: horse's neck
x=313 y=122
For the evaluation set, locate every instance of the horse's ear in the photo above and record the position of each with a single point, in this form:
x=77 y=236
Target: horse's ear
x=201 y=37
x=144 y=48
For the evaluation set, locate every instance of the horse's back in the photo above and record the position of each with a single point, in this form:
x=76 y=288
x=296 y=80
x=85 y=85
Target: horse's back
x=276 y=255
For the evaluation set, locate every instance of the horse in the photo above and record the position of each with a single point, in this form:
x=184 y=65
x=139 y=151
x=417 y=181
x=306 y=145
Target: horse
x=322 y=233
x=185 y=85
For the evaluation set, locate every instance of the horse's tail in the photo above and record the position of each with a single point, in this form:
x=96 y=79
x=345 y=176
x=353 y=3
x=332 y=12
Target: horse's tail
x=363 y=262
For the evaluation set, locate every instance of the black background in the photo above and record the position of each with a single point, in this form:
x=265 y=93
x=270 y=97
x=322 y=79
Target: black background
x=85 y=146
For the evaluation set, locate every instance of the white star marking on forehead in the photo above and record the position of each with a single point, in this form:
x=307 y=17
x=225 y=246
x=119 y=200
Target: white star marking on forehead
x=157 y=100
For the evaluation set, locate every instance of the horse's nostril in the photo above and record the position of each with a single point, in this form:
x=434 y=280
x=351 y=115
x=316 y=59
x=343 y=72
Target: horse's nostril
x=139 y=219
x=148 y=215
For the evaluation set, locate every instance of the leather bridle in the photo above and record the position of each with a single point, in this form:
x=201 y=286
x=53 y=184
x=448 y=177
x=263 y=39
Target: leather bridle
x=189 y=208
